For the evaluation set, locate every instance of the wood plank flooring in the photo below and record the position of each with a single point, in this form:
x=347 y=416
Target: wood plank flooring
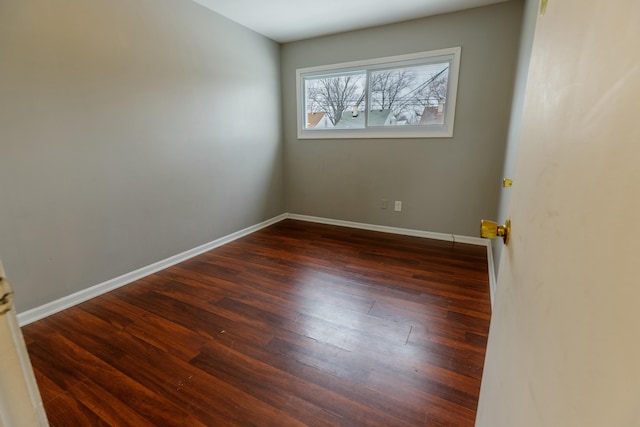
x=298 y=324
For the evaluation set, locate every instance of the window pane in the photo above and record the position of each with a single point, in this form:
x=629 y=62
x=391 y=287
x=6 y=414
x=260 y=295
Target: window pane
x=335 y=101
x=414 y=95
x=402 y=96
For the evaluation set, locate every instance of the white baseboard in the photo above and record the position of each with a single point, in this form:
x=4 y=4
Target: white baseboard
x=63 y=303
x=393 y=230
x=492 y=273
x=416 y=233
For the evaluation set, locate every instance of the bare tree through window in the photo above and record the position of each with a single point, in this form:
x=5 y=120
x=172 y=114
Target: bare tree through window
x=380 y=97
x=410 y=92
x=387 y=87
x=333 y=95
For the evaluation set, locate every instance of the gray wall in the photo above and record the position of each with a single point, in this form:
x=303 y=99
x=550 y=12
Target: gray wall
x=446 y=185
x=130 y=131
x=524 y=57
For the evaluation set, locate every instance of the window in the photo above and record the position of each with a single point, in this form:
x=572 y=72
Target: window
x=407 y=96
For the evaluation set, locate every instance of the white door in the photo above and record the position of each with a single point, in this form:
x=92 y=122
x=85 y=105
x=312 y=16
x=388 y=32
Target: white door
x=564 y=343
x=20 y=403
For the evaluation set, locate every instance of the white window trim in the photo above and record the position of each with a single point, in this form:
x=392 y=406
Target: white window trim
x=433 y=131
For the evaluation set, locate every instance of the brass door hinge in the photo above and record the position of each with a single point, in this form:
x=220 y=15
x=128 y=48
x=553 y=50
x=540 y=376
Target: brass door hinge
x=543 y=6
x=6 y=300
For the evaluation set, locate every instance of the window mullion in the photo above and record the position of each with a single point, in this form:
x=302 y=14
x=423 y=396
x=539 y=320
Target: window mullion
x=367 y=99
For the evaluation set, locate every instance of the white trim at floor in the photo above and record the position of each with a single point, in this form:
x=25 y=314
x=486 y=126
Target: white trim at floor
x=492 y=273
x=393 y=230
x=416 y=233
x=63 y=303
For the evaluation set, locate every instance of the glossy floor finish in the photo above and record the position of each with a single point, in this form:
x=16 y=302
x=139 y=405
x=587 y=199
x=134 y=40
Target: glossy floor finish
x=299 y=324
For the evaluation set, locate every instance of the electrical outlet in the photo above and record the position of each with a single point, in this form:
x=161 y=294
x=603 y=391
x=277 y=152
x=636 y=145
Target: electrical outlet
x=398 y=206
x=384 y=204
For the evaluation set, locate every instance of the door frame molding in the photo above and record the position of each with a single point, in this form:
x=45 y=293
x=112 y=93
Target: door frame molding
x=21 y=404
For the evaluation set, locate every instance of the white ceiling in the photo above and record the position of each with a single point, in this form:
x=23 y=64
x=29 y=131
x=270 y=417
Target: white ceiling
x=289 y=20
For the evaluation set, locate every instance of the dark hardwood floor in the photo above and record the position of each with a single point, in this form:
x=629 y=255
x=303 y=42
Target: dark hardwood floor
x=299 y=324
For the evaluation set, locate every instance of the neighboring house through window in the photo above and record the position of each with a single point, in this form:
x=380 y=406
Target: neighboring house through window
x=406 y=96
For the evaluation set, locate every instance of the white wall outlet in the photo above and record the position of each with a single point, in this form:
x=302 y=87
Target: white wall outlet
x=398 y=206
x=384 y=204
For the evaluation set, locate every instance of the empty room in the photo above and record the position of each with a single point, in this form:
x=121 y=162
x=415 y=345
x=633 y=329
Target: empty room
x=285 y=213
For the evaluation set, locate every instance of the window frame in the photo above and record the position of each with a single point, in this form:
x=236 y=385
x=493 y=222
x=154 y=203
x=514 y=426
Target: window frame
x=451 y=55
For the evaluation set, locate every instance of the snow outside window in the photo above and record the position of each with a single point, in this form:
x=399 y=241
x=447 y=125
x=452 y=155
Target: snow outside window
x=407 y=96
